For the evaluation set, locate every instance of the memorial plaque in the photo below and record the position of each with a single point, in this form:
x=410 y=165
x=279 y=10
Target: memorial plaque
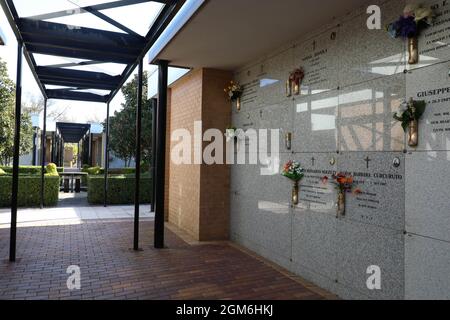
x=267 y=186
x=382 y=201
x=426 y=268
x=434 y=42
x=242 y=214
x=318 y=57
x=248 y=78
x=246 y=119
x=314 y=222
x=314 y=243
x=365 y=119
x=278 y=116
x=272 y=77
x=427 y=194
x=368 y=54
x=266 y=224
x=315 y=122
x=361 y=245
x=315 y=196
x=432 y=84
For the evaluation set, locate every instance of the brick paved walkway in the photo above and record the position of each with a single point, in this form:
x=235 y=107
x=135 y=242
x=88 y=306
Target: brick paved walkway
x=109 y=270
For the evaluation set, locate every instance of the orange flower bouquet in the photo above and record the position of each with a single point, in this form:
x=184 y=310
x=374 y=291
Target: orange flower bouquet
x=344 y=184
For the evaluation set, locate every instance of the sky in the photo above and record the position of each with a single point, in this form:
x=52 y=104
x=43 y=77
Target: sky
x=136 y=17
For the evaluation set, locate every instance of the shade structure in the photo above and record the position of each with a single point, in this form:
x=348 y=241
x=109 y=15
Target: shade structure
x=62 y=56
x=86 y=49
x=72 y=132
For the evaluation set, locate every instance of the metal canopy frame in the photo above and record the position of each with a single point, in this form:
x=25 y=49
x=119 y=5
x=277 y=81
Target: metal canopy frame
x=72 y=132
x=91 y=46
x=96 y=46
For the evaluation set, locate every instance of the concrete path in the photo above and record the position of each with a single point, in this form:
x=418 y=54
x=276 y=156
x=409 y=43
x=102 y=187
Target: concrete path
x=73 y=209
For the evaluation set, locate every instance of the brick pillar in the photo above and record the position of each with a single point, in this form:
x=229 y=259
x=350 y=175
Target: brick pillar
x=198 y=195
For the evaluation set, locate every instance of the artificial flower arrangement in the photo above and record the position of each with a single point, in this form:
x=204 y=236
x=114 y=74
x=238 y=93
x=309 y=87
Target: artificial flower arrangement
x=294 y=82
x=234 y=93
x=344 y=184
x=415 y=18
x=411 y=112
x=293 y=171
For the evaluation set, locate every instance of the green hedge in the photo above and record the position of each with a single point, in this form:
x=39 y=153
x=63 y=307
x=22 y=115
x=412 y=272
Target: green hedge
x=120 y=189
x=27 y=170
x=119 y=171
x=30 y=191
x=100 y=171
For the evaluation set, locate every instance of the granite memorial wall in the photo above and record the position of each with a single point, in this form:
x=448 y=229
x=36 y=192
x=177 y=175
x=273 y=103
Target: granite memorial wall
x=355 y=79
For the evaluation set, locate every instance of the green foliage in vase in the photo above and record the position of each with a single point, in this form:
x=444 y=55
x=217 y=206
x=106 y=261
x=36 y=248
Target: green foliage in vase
x=293 y=170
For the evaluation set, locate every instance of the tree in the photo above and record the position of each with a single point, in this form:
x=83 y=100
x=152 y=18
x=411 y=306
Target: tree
x=7 y=120
x=35 y=105
x=122 y=129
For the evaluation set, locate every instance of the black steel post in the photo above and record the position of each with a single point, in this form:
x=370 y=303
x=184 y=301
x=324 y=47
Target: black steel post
x=160 y=154
x=53 y=148
x=138 y=156
x=62 y=151
x=35 y=134
x=78 y=155
x=15 y=180
x=153 y=163
x=89 y=158
x=105 y=185
x=43 y=147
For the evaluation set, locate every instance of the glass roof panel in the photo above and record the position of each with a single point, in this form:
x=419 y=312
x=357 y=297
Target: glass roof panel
x=85 y=3
x=94 y=91
x=30 y=8
x=137 y=17
x=27 y=8
x=48 y=60
x=113 y=69
x=74 y=17
x=86 y=20
x=53 y=87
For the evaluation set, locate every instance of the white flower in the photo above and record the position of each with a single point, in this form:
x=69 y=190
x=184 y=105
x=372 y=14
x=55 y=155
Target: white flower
x=410 y=9
x=403 y=106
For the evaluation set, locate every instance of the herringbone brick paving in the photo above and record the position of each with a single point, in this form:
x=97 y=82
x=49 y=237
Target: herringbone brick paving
x=110 y=270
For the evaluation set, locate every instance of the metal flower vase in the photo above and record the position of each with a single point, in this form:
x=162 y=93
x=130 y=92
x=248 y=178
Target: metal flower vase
x=341 y=204
x=413 y=133
x=413 y=50
x=295 y=191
